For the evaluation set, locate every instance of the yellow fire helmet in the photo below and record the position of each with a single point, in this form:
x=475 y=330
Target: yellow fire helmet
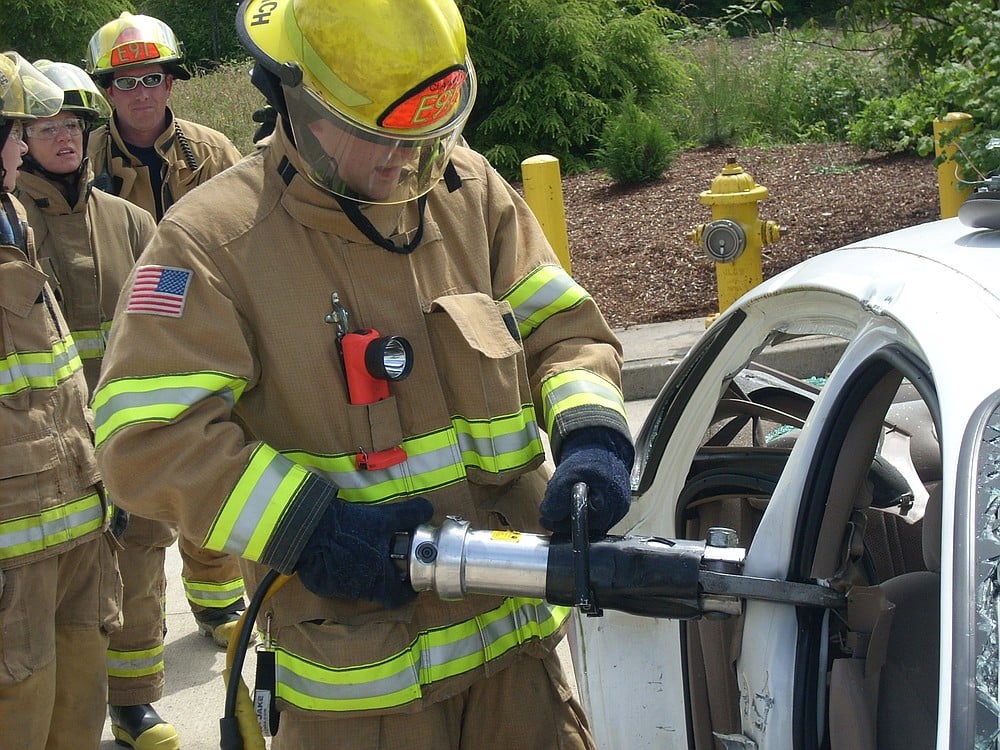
x=130 y=41
x=25 y=93
x=80 y=94
x=376 y=92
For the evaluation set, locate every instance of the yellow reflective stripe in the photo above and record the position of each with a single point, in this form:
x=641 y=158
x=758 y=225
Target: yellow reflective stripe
x=138 y=663
x=51 y=526
x=90 y=344
x=575 y=388
x=212 y=594
x=434 y=460
x=129 y=401
x=541 y=294
x=38 y=370
x=433 y=656
x=256 y=505
x=500 y=444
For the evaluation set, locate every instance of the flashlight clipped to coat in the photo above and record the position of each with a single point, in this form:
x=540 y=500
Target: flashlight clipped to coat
x=371 y=361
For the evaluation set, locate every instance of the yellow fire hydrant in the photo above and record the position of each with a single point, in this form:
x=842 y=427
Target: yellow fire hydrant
x=735 y=236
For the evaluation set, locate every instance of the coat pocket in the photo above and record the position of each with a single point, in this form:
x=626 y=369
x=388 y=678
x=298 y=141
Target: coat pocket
x=28 y=474
x=484 y=379
x=24 y=327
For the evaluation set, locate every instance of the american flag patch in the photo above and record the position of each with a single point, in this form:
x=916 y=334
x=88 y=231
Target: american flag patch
x=159 y=290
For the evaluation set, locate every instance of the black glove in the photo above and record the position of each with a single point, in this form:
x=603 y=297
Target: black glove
x=266 y=117
x=119 y=522
x=602 y=458
x=347 y=555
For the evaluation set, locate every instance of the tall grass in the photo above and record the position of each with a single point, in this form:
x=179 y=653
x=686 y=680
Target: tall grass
x=783 y=87
x=223 y=99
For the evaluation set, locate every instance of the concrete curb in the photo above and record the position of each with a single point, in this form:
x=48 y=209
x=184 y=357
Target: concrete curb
x=653 y=351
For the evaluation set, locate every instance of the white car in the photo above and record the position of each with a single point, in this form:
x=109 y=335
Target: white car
x=873 y=489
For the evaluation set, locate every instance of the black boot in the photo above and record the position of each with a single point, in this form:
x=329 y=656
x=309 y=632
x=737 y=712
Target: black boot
x=220 y=623
x=140 y=727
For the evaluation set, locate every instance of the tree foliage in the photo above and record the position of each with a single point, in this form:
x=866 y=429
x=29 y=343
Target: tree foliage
x=551 y=72
x=55 y=29
x=206 y=27
x=951 y=50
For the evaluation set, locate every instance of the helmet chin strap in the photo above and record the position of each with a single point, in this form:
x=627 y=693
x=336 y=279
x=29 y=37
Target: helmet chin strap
x=5 y=127
x=353 y=212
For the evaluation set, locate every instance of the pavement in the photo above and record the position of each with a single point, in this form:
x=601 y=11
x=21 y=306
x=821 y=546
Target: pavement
x=194 y=695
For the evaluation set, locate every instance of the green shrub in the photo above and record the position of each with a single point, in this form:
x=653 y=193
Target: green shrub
x=552 y=71
x=635 y=146
x=962 y=76
x=900 y=123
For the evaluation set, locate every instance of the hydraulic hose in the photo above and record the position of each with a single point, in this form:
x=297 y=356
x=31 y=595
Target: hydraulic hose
x=238 y=726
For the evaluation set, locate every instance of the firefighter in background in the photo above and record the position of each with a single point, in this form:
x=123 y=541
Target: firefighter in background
x=60 y=592
x=87 y=243
x=146 y=154
x=227 y=399
x=151 y=158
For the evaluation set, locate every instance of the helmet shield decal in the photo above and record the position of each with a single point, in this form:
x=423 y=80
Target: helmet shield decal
x=132 y=40
x=428 y=105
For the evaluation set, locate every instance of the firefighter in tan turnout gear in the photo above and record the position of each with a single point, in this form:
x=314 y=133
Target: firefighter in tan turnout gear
x=59 y=587
x=88 y=242
x=146 y=154
x=363 y=330
x=151 y=158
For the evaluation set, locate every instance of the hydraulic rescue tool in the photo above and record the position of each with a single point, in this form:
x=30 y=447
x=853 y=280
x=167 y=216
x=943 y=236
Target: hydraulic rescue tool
x=650 y=576
x=677 y=579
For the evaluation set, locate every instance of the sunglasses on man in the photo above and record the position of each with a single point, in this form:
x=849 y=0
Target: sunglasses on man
x=149 y=81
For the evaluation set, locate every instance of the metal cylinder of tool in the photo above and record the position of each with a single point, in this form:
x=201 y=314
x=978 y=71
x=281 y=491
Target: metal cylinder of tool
x=456 y=561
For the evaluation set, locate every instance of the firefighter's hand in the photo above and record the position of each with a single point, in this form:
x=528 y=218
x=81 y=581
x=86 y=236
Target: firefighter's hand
x=347 y=555
x=602 y=458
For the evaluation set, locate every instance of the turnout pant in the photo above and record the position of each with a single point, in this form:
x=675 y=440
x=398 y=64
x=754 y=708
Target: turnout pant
x=529 y=705
x=135 y=655
x=55 y=617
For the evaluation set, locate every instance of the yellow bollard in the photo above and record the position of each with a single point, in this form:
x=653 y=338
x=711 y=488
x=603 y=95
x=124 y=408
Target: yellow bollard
x=951 y=194
x=735 y=237
x=543 y=192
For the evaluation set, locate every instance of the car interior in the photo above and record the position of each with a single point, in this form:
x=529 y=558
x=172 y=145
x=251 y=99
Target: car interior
x=869 y=527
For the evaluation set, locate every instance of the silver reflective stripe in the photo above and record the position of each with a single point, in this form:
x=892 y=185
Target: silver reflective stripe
x=180 y=397
x=41 y=534
x=255 y=504
x=402 y=681
x=596 y=386
x=90 y=344
x=499 y=445
x=546 y=295
x=144 y=662
x=440 y=654
x=39 y=374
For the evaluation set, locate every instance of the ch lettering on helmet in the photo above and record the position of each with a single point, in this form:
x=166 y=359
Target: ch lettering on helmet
x=263 y=14
x=428 y=105
x=134 y=52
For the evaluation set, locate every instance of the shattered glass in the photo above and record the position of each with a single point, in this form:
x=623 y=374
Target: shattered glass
x=988 y=586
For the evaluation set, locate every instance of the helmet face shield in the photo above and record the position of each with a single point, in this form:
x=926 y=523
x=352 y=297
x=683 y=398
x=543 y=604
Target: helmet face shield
x=80 y=94
x=383 y=165
x=25 y=93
